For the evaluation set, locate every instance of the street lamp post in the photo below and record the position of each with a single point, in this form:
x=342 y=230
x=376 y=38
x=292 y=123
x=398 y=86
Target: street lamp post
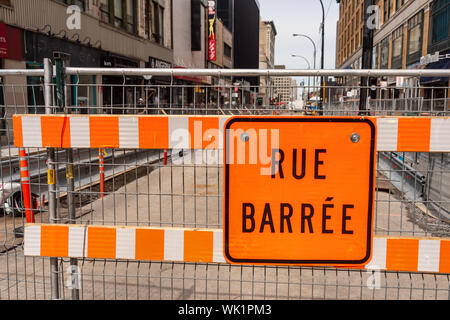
x=322 y=94
x=309 y=68
x=315 y=49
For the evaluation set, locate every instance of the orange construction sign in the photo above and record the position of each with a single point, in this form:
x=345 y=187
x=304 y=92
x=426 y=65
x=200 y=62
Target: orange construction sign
x=299 y=191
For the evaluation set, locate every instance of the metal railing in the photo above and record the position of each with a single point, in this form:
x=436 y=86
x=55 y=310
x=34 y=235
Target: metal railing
x=182 y=188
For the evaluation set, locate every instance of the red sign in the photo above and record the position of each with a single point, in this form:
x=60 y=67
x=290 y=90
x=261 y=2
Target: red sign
x=10 y=42
x=212 y=30
x=3 y=41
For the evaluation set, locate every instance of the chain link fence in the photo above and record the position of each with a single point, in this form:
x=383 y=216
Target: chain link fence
x=182 y=188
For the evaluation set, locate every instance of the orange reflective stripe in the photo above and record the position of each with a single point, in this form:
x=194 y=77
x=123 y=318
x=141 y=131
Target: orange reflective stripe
x=402 y=254
x=101 y=243
x=198 y=246
x=18 y=137
x=24 y=174
x=153 y=132
x=204 y=132
x=414 y=134
x=149 y=244
x=54 y=241
x=444 y=261
x=406 y=134
x=55 y=131
x=23 y=163
x=104 y=132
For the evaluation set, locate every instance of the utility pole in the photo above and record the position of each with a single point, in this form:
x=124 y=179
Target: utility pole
x=322 y=92
x=315 y=55
x=367 y=47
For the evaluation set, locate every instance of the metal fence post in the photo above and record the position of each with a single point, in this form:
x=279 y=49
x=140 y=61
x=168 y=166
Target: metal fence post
x=51 y=176
x=63 y=94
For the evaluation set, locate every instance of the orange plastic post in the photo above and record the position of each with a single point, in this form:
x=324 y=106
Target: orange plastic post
x=26 y=190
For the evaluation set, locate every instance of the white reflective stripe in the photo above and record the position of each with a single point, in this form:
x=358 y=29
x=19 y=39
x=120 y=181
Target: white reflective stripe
x=378 y=261
x=32 y=132
x=222 y=121
x=179 y=137
x=78 y=242
x=32 y=241
x=387 y=134
x=80 y=132
x=126 y=243
x=23 y=168
x=439 y=135
x=174 y=245
x=25 y=179
x=128 y=132
x=218 y=247
x=429 y=251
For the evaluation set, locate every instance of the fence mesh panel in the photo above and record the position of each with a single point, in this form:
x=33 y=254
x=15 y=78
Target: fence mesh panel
x=183 y=188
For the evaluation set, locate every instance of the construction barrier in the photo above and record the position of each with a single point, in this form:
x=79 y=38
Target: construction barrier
x=146 y=220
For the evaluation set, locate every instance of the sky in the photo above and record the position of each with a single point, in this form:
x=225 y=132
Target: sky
x=302 y=16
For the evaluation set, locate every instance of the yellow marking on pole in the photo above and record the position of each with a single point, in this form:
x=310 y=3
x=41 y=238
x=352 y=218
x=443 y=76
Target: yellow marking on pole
x=51 y=177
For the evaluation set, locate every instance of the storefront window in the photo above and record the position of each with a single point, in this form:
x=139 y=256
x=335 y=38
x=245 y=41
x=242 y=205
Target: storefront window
x=118 y=13
x=121 y=14
x=397 y=48
x=105 y=10
x=226 y=50
x=399 y=4
x=147 y=13
x=384 y=56
x=130 y=16
x=375 y=57
x=415 y=26
x=386 y=11
x=79 y=3
x=157 y=23
x=440 y=20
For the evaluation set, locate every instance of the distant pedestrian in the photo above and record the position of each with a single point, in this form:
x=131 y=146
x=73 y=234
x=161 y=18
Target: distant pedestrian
x=141 y=106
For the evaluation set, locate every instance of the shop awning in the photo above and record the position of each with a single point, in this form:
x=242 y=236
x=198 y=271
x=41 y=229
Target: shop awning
x=441 y=64
x=205 y=80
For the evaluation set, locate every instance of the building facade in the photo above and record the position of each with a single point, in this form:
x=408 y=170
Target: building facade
x=242 y=18
x=104 y=33
x=285 y=89
x=115 y=34
x=267 y=34
x=407 y=33
x=201 y=40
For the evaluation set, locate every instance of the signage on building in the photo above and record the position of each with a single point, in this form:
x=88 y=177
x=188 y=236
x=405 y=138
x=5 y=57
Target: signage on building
x=212 y=30
x=158 y=64
x=109 y=61
x=10 y=42
x=429 y=58
x=400 y=82
x=3 y=41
